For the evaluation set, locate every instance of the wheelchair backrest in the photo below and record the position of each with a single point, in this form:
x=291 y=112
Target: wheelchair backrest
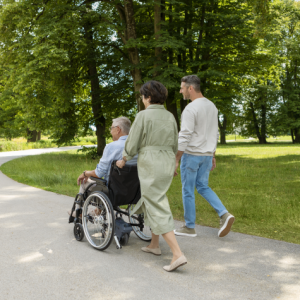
x=124 y=185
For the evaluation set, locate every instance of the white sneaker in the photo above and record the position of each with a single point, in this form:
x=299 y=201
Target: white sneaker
x=185 y=231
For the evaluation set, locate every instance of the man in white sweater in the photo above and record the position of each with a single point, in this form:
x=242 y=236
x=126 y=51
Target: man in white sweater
x=197 y=144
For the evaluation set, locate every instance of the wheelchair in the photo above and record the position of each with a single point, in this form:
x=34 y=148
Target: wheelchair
x=102 y=209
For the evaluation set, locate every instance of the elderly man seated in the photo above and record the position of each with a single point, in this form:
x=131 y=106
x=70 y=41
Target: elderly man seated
x=119 y=130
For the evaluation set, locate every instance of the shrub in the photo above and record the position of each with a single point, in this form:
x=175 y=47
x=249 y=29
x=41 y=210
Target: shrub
x=90 y=152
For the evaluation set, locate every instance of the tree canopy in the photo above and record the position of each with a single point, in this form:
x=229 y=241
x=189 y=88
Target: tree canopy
x=68 y=65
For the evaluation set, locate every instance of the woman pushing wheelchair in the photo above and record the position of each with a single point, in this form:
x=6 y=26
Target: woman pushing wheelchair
x=154 y=137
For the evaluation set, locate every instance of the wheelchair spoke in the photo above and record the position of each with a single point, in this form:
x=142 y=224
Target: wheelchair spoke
x=141 y=230
x=98 y=223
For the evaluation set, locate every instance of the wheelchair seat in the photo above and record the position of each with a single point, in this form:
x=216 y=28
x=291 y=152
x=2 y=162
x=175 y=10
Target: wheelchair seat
x=123 y=185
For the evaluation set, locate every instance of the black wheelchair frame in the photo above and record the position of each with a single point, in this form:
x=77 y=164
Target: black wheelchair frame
x=99 y=217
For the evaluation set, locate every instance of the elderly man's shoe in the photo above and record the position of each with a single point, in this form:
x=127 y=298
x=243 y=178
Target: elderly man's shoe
x=73 y=214
x=155 y=251
x=176 y=264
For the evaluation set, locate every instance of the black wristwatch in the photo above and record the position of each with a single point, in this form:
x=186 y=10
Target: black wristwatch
x=84 y=173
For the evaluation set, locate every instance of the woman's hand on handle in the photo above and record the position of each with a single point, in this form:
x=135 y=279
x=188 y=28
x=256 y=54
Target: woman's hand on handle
x=120 y=163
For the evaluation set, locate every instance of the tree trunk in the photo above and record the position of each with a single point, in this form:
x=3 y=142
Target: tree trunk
x=31 y=136
x=133 y=52
x=295 y=136
x=183 y=103
x=206 y=49
x=171 y=101
x=172 y=107
x=39 y=136
x=261 y=138
x=222 y=128
x=95 y=89
x=263 y=130
x=200 y=39
x=182 y=63
x=157 y=29
x=292 y=135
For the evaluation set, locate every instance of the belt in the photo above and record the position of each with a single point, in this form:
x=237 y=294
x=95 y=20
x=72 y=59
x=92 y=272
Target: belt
x=167 y=148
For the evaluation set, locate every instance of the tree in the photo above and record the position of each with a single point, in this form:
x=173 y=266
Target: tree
x=82 y=63
x=54 y=66
x=217 y=36
x=288 y=118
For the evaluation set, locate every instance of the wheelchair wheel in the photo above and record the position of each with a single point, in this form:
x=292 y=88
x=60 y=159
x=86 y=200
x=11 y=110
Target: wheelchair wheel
x=144 y=234
x=78 y=232
x=124 y=239
x=98 y=220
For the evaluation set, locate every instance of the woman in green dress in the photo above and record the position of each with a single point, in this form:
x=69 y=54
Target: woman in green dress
x=154 y=137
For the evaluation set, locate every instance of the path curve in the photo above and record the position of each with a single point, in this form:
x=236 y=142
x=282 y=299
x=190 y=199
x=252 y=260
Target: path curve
x=40 y=259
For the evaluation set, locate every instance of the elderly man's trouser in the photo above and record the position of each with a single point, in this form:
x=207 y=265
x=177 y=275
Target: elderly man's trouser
x=195 y=173
x=82 y=189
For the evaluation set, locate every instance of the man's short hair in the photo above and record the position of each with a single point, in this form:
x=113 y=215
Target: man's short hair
x=192 y=80
x=156 y=90
x=124 y=124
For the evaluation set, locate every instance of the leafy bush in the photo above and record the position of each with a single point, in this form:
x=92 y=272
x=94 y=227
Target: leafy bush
x=90 y=152
x=92 y=140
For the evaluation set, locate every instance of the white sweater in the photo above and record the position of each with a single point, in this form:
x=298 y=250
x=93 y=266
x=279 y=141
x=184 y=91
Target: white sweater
x=199 y=128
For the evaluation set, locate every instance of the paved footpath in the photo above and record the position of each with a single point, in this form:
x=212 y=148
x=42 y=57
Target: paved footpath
x=40 y=259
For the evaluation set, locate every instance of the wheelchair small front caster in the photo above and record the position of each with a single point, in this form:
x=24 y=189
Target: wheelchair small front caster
x=124 y=239
x=78 y=232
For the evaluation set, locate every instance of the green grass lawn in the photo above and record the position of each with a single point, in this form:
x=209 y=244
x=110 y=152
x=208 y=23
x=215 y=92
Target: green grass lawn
x=258 y=184
x=271 y=139
x=21 y=143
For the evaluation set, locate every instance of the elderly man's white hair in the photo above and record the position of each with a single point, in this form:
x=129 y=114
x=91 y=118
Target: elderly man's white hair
x=124 y=124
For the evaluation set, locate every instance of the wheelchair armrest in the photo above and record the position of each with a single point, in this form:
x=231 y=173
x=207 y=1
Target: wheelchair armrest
x=99 y=180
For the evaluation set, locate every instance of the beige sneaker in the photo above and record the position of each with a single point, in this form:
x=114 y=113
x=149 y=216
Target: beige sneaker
x=185 y=231
x=226 y=222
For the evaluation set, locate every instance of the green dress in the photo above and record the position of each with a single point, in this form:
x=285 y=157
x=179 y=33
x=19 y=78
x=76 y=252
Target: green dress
x=154 y=137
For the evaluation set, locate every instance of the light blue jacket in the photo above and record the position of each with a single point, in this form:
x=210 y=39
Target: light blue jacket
x=112 y=151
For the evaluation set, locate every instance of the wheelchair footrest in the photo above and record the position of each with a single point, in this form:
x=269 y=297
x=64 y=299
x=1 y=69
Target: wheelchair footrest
x=122 y=230
x=117 y=242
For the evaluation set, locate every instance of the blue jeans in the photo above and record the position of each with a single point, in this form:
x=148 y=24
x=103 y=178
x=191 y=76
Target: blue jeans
x=195 y=173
